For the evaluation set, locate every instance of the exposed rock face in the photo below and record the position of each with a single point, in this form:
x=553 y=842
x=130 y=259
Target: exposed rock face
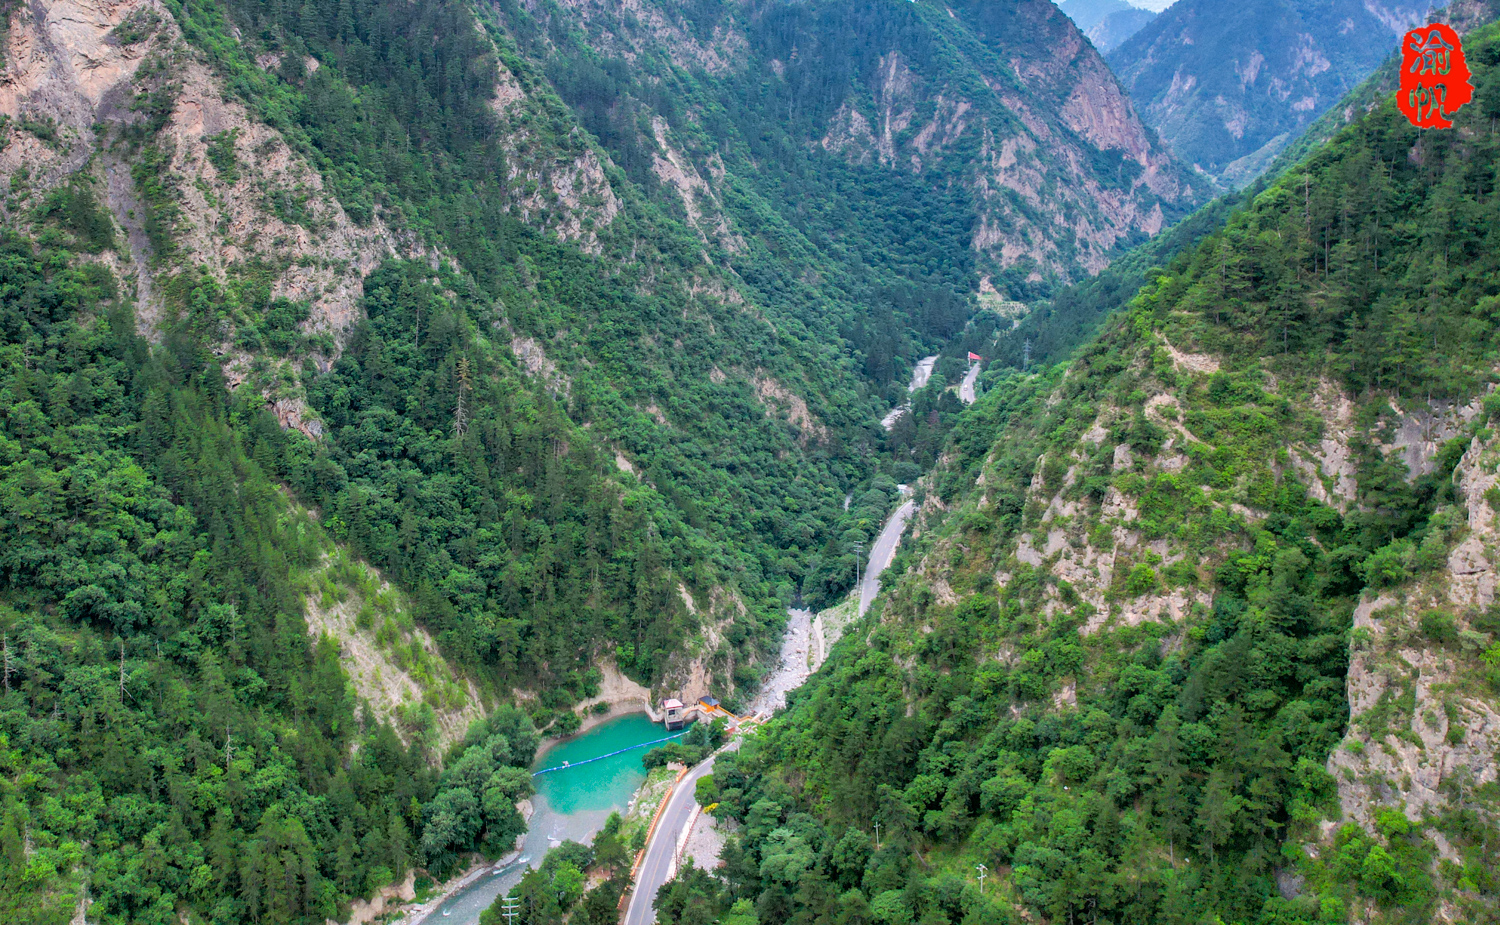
x=646 y=26
x=378 y=642
x=69 y=61
x=363 y=911
x=1228 y=85
x=620 y=694
x=705 y=213
x=229 y=196
x=1421 y=735
x=779 y=399
x=1017 y=110
x=1051 y=110
x=705 y=665
x=1328 y=468
x=1419 y=433
x=1090 y=555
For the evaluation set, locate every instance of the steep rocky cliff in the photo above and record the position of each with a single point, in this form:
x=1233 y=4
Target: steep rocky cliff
x=1228 y=85
x=1006 y=117
x=212 y=190
x=1201 y=626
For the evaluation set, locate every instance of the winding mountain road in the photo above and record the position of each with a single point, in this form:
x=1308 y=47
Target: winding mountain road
x=882 y=552
x=660 y=862
x=966 y=388
x=919 y=377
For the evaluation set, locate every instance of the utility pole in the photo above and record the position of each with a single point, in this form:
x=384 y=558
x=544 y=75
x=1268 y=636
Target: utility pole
x=983 y=872
x=1026 y=355
x=859 y=553
x=877 y=836
x=510 y=906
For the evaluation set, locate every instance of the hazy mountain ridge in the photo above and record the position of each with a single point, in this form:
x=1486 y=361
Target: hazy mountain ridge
x=956 y=102
x=1228 y=85
x=1089 y=13
x=1112 y=31
x=1107 y=23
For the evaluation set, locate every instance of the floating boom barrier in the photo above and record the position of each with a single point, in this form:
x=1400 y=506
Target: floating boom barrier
x=619 y=751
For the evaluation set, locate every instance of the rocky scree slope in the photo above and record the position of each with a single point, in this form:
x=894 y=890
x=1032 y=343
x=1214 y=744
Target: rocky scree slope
x=1205 y=622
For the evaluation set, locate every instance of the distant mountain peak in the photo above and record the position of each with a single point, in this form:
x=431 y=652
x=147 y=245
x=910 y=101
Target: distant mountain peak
x=1227 y=85
x=1086 y=14
x=1110 y=32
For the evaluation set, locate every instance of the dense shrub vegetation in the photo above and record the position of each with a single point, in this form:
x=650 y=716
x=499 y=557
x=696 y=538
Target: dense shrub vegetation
x=164 y=722
x=174 y=746
x=1160 y=772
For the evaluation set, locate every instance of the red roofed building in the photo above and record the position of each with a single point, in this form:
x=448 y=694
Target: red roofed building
x=673 y=714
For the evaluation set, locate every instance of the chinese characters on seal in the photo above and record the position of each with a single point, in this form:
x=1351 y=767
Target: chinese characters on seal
x=1434 y=76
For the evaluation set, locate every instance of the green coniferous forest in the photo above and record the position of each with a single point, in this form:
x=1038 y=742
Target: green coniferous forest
x=509 y=347
x=1162 y=772
x=176 y=747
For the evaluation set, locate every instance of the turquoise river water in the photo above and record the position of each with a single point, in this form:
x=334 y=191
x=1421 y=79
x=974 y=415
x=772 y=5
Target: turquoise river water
x=570 y=804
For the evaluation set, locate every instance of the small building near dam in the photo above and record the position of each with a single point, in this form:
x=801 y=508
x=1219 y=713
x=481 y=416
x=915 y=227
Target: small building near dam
x=674 y=714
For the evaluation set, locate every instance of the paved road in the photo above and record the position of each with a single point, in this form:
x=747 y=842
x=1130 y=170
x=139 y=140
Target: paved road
x=882 y=553
x=658 y=865
x=966 y=388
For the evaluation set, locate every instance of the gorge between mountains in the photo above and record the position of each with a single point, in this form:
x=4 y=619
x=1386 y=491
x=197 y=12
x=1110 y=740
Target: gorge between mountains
x=1063 y=482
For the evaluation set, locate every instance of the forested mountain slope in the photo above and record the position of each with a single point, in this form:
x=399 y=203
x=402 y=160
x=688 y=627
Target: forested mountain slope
x=975 y=131
x=1227 y=85
x=1055 y=326
x=504 y=346
x=1202 y=627
x=1463 y=15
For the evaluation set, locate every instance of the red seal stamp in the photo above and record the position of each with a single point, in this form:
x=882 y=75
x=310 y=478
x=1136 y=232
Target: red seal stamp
x=1434 y=76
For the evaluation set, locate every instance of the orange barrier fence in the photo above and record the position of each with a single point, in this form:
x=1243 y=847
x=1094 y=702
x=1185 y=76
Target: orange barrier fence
x=650 y=831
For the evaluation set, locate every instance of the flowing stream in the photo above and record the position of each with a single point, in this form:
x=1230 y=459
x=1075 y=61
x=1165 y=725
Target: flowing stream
x=604 y=763
x=919 y=377
x=571 y=804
